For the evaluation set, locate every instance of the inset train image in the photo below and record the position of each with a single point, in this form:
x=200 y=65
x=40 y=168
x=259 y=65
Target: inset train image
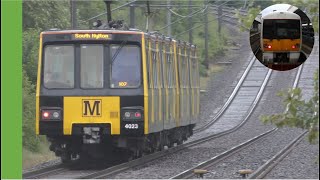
x=282 y=37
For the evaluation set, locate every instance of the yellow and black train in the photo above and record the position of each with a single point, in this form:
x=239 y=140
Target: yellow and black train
x=100 y=92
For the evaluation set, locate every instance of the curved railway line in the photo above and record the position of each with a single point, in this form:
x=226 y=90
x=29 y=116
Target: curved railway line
x=263 y=170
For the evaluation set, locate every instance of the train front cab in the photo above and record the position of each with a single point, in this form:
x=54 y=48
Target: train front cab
x=162 y=110
x=281 y=38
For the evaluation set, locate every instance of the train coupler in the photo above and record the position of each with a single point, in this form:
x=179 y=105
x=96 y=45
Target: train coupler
x=91 y=135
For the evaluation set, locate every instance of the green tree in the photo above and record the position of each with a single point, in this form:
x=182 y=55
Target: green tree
x=30 y=140
x=246 y=20
x=46 y=14
x=40 y=16
x=299 y=113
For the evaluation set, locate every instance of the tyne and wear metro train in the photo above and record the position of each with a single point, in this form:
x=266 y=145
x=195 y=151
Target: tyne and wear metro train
x=115 y=93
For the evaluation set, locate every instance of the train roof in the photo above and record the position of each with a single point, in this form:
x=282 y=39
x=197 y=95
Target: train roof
x=281 y=15
x=278 y=7
x=72 y=31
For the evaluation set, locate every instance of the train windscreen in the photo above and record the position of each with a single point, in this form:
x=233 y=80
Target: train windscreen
x=59 y=66
x=91 y=66
x=60 y=61
x=126 y=66
x=281 y=29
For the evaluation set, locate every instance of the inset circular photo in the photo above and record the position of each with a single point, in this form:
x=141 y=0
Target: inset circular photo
x=282 y=37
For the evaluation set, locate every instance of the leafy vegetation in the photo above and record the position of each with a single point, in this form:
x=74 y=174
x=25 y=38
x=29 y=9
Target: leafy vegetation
x=30 y=140
x=299 y=113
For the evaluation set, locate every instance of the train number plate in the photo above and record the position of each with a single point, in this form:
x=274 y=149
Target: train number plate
x=131 y=126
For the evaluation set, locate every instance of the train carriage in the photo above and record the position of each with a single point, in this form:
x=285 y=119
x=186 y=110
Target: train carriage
x=281 y=37
x=100 y=92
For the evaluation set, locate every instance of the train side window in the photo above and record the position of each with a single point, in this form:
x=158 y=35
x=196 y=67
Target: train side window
x=149 y=63
x=194 y=67
x=190 y=70
x=181 y=72
x=160 y=65
x=186 y=68
x=164 y=65
x=154 y=65
x=169 y=66
x=178 y=59
x=174 y=77
x=183 y=68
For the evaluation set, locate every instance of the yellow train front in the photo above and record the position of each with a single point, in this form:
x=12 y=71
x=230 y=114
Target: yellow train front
x=115 y=94
x=281 y=38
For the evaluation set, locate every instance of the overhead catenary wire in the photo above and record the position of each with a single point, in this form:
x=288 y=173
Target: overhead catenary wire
x=126 y=4
x=177 y=13
x=201 y=25
x=190 y=15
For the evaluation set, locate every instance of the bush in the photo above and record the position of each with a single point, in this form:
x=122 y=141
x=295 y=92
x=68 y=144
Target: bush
x=300 y=113
x=29 y=138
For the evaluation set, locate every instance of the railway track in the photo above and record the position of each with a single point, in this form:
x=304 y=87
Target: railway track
x=230 y=99
x=271 y=163
x=224 y=157
x=263 y=170
x=58 y=168
x=219 y=158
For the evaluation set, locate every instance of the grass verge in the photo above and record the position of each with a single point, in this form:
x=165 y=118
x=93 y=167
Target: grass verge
x=30 y=159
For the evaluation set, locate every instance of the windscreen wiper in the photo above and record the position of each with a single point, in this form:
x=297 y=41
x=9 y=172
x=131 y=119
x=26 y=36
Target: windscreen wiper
x=118 y=51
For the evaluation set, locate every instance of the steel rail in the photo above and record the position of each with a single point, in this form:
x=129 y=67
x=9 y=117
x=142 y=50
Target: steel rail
x=263 y=171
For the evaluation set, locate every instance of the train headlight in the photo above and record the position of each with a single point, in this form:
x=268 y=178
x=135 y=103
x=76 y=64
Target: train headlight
x=127 y=114
x=269 y=46
x=56 y=114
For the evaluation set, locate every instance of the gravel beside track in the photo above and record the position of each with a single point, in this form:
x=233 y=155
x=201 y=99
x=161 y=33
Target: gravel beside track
x=254 y=156
x=43 y=165
x=299 y=164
